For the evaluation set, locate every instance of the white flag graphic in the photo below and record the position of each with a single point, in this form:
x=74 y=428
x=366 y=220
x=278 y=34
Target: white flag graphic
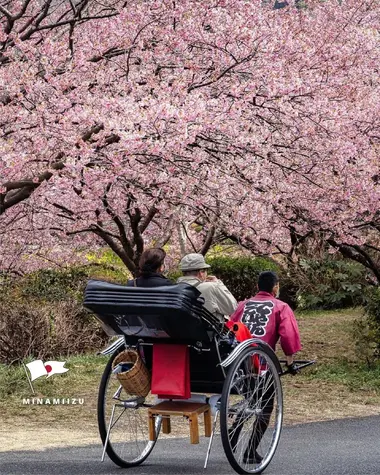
x=37 y=369
x=55 y=367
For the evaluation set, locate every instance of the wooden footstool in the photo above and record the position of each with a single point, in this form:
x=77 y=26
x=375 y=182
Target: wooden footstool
x=190 y=410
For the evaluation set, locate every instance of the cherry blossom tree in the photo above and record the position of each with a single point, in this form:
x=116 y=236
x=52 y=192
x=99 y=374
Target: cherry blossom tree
x=144 y=122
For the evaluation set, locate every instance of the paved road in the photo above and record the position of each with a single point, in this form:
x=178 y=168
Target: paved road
x=345 y=447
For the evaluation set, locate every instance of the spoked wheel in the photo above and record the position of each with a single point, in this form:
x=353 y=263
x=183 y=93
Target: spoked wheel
x=251 y=410
x=128 y=441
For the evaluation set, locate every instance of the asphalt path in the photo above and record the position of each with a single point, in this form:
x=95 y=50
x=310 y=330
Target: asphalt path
x=341 y=447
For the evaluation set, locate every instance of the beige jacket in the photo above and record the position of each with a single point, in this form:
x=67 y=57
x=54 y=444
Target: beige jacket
x=218 y=299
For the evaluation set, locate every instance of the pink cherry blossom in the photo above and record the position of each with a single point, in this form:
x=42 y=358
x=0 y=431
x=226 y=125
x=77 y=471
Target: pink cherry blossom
x=124 y=123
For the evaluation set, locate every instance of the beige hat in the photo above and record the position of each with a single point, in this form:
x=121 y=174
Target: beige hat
x=193 y=262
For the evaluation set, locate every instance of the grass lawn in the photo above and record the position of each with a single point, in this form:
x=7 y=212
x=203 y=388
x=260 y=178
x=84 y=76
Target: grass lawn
x=337 y=386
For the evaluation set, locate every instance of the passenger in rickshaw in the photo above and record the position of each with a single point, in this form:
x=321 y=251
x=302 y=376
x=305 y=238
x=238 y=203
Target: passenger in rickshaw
x=151 y=267
x=269 y=319
x=217 y=298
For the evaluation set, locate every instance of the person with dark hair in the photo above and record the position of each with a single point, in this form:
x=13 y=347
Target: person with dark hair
x=151 y=267
x=268 y=318
x=268 y=281
x=271 y=320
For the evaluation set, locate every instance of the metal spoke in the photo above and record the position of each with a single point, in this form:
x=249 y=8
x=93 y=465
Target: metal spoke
x=128 y=438
x=253 y=411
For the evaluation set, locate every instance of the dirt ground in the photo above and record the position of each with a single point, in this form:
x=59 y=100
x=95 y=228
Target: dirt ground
x=40 y=437
x=305 y=399
x=34 y=435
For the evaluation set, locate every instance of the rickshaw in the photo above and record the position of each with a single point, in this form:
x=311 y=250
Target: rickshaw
x=239 y=381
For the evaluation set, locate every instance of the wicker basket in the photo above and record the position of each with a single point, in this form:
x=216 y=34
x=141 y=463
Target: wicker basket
x=135 y=381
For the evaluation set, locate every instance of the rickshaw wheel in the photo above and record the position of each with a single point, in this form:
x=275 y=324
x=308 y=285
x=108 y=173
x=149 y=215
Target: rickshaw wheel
x=251 y=410
x=128 y=443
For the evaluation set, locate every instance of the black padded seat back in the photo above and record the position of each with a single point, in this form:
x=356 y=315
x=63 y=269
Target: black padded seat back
x=159 y=312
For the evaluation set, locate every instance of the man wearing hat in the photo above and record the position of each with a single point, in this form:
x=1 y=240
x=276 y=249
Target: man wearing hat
x=218 y=299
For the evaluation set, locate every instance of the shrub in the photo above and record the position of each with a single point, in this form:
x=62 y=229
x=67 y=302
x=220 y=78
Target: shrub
x=329 y=283
x=75 y=329
x=59 y=285
x=29 y=328
x=54 y=285
x=240 y=275
x=41 y=315
x=24 y=330
x=366 y=331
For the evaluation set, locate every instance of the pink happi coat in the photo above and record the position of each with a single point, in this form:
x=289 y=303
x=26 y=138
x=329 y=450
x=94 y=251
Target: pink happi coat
x=270 y=320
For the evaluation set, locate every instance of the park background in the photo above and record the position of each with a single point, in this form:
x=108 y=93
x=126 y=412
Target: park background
x=248 y=131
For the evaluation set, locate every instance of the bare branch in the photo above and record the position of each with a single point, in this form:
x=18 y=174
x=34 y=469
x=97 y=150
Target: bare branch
x=23 y=10
x=120 y=226
x=25 y=191
x=117 y=249
x=188 y=237
x=208 y=241
x=147 y=219
x=7 y=13
x=168 y=232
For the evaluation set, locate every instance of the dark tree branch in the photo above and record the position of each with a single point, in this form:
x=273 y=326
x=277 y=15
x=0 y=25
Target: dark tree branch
x=20 y=190
x=24 y=192
x=148 y=218
x=188 y=238
x=120 y=226
x=135 y=219
x=208 y=241
x=168 y=232
x=117 y=249
x=357 y=254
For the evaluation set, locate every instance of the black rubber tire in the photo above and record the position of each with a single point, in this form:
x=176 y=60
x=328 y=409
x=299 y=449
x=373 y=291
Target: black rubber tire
x=113 y=449
x=251 y=406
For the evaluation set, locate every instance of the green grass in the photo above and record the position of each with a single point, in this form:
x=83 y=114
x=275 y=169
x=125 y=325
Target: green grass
x=81 y=381
x=356 y=377
x=326 y=336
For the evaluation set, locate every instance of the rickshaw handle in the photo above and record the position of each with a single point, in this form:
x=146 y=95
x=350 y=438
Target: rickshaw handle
x=299 y=364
